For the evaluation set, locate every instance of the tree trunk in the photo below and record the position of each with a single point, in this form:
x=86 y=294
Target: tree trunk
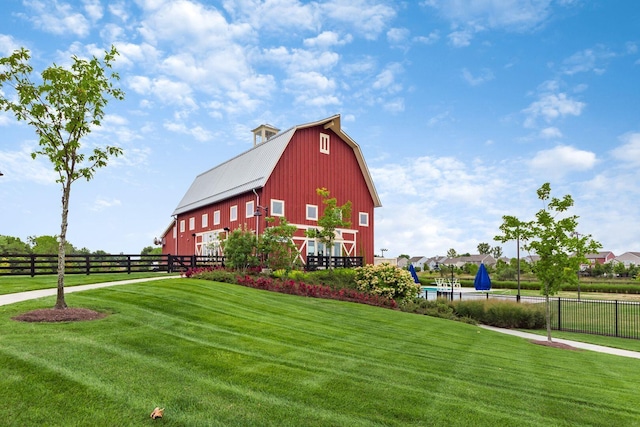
x=66 y=190
x=548 y=316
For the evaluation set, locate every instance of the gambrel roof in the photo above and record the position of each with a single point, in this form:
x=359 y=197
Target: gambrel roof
x=251 y=169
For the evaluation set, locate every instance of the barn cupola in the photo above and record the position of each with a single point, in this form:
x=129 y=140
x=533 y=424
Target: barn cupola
x=263 y=133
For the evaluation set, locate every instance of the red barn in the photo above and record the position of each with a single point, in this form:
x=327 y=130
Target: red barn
x=279 y=177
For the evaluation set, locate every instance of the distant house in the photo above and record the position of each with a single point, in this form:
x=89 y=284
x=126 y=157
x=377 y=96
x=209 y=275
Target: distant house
x=434 y=262
x=600 y=257
x=402 y=262
x=278 y=177
x=418 y=262
x=628 y=258
x=460 y=262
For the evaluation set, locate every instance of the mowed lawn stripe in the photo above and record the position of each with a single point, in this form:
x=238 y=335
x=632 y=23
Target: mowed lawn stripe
x=220 y=354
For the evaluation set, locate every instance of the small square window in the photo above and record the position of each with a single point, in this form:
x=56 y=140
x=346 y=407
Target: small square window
x=216 y=218
x=277 y=207
x=324 y=143
x=233 y=213
x=250 y=209
x=192 y=223
x=312 y=212
x=205 y=220
x=363 y=219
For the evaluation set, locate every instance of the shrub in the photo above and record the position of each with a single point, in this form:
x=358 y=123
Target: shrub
x=502 y=314
x=437 y=308
x=386 y=280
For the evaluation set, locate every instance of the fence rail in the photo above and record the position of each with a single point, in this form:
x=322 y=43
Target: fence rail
x=36 y=264
x=315 y=262
x=597 y=317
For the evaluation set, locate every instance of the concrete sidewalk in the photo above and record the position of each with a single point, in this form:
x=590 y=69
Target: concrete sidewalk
x=24 y=296
x=577 y=344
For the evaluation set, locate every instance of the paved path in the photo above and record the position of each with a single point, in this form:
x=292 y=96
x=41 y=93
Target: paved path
x=24 y=296
x=577 y=344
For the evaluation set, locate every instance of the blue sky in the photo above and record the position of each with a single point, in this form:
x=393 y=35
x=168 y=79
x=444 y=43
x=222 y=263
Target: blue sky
x=462 y=109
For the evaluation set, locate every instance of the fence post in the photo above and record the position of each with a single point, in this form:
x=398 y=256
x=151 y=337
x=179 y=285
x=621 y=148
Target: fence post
x=87 y=264
x=128 y=264
x=559 y=315
x=616 y=318
x=33 y=265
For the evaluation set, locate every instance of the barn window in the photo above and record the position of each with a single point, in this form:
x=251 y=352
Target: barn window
x=182 y=225
x=175 y=231
x=205 y=220
x=249 y=209
x=192 y=223
x=324 y=143
x=312 y=212
x=233 y=213
x=363 y=219
x=277 y=207
x=216 y=218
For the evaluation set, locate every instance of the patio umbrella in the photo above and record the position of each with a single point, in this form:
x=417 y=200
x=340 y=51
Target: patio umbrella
x=412 y=270
x=482 y=281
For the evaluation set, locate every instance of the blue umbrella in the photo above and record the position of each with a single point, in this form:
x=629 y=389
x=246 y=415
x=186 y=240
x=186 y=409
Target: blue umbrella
x=412 y=270
x=482 y=281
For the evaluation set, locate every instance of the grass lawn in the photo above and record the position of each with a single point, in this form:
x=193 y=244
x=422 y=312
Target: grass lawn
x=217 y=354
x=12 y=284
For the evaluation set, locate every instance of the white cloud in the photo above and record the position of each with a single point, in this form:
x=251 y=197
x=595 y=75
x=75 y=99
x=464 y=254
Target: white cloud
x=327 y=39
x=7 y=45
x=470 y=17
x=20 y=166
x=398 y=35
x=368 y=17
x=550 y=133
x=550 y=107
x=102 y=203
x=433 y=37
x=629 y=152
x=386 y=79
x=484 y=76
x=57 y=18
x=587 y=60
x=197 y=132
x=562 y=160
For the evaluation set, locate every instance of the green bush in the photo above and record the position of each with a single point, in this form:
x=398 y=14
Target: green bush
x=386 y=280
x=217 y=275
x=502 y=314
x=437 y=308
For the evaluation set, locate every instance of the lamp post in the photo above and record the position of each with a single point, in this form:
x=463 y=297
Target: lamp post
x=518 y=254
x=451 y=281
x=577 y=236
x=258 y=213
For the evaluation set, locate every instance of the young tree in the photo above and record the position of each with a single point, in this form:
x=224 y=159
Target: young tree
x=239 y=248
x=62 y=109
x=276 y=245
x=496 y=251
x=334 y=217
x=551 y=235
x=451 y=253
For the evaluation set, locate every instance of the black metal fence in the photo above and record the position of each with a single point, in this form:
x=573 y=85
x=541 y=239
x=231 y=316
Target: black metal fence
x=315 y=262
x=613 y=318
x=36 y=264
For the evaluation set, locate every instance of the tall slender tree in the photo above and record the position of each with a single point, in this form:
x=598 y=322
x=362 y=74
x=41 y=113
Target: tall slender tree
x=334 y=217
x=551 y=236
x=63 y=108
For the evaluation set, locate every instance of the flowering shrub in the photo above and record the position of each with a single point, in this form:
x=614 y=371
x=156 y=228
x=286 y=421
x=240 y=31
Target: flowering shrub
x=315 y=291
x=386 y=280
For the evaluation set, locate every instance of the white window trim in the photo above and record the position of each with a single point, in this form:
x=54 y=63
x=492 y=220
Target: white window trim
x=205 y=220
x=272 y=210
x=366 y=216
x=233 y=213
x=249 y=212
x=192 y=223
x=324 y=143
x=307 y=212
x=216 y=217
x=182 y=225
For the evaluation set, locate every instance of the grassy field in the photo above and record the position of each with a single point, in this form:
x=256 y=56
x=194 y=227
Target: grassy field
x=12 y=284
x=218 y=354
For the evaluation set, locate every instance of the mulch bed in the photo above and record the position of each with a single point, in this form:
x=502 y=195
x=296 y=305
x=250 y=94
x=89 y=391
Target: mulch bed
x=59 y=315
x=555 y=344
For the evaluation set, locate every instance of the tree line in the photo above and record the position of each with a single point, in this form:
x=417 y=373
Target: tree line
x=48 y=245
